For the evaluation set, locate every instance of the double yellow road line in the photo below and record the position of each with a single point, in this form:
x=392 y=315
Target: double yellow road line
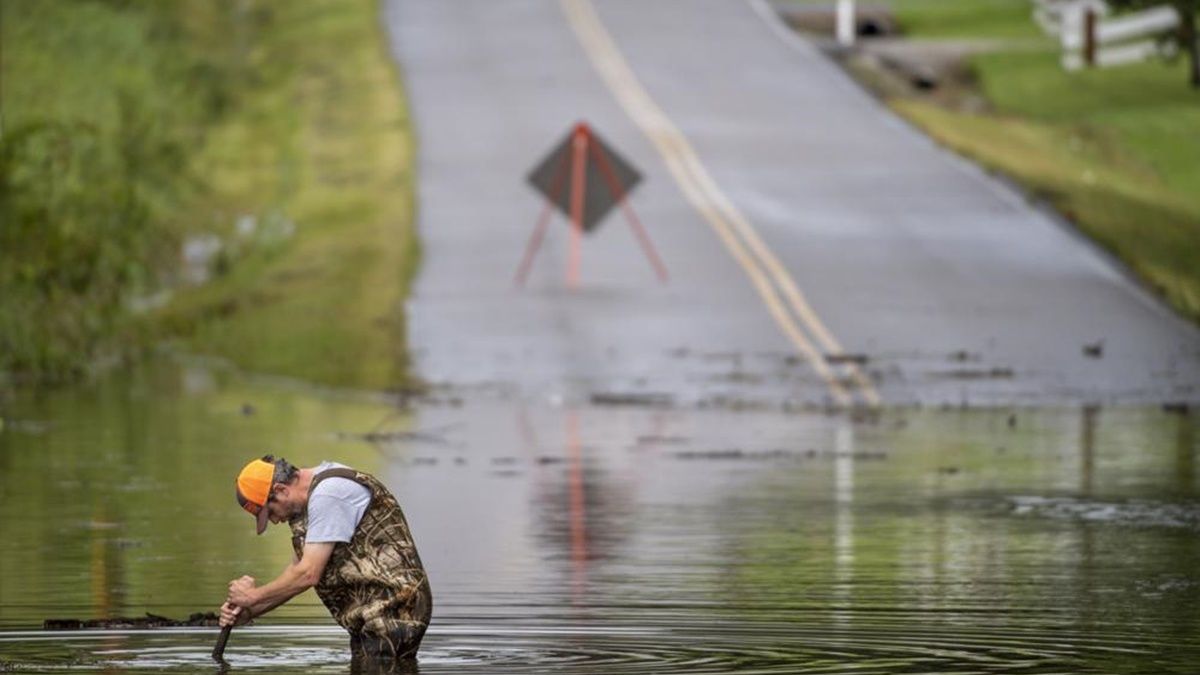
x=771 y=279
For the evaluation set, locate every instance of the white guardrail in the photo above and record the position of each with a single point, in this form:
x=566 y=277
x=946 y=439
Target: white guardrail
x=1089 y=38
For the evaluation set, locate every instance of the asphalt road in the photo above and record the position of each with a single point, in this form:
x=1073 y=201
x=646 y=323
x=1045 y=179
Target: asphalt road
x=820 y=250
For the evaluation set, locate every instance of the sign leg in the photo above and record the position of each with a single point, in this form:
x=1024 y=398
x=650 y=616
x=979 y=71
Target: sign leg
x=539 y=230
x=579 y=145
x=639 y=231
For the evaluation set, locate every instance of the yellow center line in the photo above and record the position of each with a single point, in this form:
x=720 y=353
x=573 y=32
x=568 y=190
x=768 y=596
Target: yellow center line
x=702 y=191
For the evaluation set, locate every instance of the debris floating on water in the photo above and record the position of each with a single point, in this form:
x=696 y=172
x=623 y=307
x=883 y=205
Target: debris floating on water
x=662 y=440
x=775 y=454
x=976 y=373
x=858 y=359
x=393 y=437
x=149 y=621
x=631 y=398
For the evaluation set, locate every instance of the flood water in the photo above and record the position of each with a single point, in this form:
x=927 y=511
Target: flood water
x=592 y=539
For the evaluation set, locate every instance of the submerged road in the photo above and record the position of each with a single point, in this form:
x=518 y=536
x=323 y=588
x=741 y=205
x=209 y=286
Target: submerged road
x=820 y=250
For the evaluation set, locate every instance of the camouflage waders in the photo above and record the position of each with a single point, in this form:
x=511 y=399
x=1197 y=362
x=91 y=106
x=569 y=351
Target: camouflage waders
x=374 y=585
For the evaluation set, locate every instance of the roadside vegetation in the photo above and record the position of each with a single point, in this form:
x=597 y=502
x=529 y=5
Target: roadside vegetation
x=229 y=177
x=100 y=110
x=1113 y=150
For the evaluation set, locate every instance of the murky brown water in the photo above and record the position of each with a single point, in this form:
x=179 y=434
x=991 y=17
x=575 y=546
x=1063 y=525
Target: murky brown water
x=607 y=539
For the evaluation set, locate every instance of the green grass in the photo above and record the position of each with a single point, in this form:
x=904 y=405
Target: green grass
x=100 y=109
x=1146 y=109
x=966 y=19
x=1115 y=150
x=129 y=126
x=324 y=145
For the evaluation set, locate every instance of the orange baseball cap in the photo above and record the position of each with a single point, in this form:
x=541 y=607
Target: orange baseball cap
x=254 y=489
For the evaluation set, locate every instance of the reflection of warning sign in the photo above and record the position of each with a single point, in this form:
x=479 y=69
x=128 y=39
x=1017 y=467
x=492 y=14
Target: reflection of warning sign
x=583 y=178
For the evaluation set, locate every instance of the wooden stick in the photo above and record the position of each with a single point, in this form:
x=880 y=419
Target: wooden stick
x=218 y=653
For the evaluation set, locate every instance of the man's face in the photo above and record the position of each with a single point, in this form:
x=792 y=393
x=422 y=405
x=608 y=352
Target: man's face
x=286 y=502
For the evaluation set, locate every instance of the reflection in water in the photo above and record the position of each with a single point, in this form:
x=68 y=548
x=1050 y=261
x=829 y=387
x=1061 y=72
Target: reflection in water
x=1185 y=455
x=360 y=665
x=1087 y=449
x=591 y=539
x=577 y=508
x=104 y=563
x=105 y=566
x=1089 y=584
x=843 y=497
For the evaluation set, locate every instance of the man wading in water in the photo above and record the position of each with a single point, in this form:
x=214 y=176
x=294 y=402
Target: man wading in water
x=351 y=541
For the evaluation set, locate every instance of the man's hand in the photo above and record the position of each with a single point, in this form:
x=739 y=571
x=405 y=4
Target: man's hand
x=232 y=615
x=296 y=578
x=241 y=592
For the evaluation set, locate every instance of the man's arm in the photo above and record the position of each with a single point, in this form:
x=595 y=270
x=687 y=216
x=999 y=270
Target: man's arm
x=298 y=577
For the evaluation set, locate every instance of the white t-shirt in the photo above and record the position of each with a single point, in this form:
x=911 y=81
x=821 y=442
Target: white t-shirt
x=335 y=507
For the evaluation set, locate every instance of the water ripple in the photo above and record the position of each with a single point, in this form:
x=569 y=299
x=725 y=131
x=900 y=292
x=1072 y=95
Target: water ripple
x=758 y=647
x=1130 y=512
x=846 y=643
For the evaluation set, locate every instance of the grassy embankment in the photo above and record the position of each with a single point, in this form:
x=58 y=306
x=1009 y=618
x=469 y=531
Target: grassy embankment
x=1114 y=150
x=98 y=122
x=325 y=146
x=288 y=140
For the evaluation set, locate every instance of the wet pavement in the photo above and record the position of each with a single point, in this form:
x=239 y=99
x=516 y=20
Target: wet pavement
x=798 y=218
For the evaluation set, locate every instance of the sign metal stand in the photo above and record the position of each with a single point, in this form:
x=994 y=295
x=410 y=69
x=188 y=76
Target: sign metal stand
x=590 y=165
